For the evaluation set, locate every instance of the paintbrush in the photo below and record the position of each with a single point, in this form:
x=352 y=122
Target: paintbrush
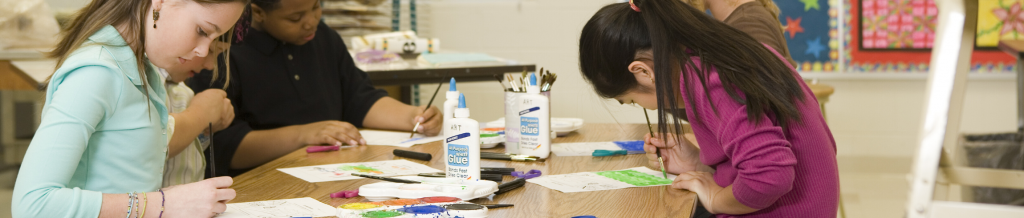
x=387 y=179
x=656 y=150
x=512 y=82
x=413 y=133
x=213 y=161
x=497 y=77
x=551 y=81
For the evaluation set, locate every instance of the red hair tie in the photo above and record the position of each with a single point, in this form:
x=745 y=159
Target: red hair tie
x=635 y=8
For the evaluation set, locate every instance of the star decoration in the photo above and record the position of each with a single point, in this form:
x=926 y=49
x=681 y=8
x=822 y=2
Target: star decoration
x=808 y=4
x=793 y=26
x=814 y=47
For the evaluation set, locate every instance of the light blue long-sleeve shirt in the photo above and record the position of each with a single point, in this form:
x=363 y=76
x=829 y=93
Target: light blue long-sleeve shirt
x=99 y=133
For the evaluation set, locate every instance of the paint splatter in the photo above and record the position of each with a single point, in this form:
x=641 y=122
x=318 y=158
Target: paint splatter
x=360 y=206
x=382 y=214
x=428 y=209
x=361 y=169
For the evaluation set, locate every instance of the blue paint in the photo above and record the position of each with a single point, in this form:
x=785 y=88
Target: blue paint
x=634 y=147
x=585 y=216
x=428 y=209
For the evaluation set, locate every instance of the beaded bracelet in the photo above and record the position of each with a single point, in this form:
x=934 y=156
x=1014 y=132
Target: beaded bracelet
x=144 y=204
x=131 y=204
x=138 y=204
x=163 y=198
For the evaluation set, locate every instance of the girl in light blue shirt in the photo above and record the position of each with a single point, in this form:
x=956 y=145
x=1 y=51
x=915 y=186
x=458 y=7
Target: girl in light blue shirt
x=101 y=145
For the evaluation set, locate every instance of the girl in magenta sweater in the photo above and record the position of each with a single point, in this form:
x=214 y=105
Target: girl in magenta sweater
x=765 y=150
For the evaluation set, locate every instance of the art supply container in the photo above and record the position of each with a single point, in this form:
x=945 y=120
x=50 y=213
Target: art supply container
x=512 y=120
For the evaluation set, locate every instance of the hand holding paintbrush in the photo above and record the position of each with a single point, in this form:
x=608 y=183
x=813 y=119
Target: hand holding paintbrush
x=425 y=109
x=670 y=153
x=656 y=151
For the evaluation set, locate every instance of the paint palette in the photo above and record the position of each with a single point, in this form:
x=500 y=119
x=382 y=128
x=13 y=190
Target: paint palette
x=433 y=207
x=449 y=187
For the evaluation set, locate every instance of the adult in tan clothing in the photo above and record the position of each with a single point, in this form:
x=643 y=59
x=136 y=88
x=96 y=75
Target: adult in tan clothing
x=757 y=18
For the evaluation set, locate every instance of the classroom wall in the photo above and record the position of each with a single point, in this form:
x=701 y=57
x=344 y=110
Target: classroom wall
x=869 y=114
x=66 y=5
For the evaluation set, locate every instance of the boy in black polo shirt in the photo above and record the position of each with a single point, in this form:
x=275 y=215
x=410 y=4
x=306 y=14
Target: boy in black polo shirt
x=293 y=84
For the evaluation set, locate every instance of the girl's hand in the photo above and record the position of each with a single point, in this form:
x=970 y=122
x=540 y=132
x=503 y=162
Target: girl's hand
x=199 y=199
x=227 y=115
x=702 y=183
x=430 y=120
x=208 y=106
x=678 y=158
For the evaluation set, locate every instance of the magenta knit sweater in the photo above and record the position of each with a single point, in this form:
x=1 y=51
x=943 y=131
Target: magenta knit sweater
x=789 y=172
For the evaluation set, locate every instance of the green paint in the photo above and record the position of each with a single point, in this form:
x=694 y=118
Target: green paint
x=636 y=178
x=361 y=169
x=382 y=214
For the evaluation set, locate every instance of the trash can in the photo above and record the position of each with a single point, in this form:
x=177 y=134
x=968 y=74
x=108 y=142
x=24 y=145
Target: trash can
x=996 y=151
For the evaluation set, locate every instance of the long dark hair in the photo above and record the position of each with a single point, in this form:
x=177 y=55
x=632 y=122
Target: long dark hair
x=676 y=32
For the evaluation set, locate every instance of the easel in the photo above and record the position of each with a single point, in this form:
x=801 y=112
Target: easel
x=940 y=159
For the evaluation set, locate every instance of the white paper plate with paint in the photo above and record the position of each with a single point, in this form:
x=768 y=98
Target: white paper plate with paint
x=561 y=125
x=431 y=187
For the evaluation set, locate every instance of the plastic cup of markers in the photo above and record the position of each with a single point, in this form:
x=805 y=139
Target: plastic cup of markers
x=512 y=119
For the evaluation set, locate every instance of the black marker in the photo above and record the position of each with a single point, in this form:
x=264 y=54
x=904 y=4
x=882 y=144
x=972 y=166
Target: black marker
x=497 y=170
x=509 y=186
x=387 y=178
x=412 y=154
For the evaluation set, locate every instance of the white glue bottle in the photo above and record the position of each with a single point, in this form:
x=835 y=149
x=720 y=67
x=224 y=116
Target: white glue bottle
x=451 y=101
x=462 y=145
x=534 y=122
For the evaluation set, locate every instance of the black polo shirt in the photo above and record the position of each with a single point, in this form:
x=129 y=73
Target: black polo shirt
x=274 y=85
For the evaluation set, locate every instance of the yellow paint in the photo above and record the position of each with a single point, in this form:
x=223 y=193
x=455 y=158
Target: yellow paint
x=359 y=206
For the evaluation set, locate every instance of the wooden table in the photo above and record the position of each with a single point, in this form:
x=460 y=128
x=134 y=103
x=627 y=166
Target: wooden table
x=267 y=183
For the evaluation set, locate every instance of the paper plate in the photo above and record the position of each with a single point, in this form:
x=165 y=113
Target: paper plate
x=561 y=125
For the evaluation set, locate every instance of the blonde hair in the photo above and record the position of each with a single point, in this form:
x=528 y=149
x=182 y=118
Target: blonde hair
x=769 y=5
x=100 y=13
x=226 y=38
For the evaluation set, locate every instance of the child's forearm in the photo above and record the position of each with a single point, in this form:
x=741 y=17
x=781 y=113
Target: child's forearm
x=391 y=114
x=186 y=129
x=724 y=202
x=262 y=146
x=116 y=205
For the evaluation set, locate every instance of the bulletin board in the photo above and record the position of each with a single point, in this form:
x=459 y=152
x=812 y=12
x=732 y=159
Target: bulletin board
x=894 y=36
x=810 y=28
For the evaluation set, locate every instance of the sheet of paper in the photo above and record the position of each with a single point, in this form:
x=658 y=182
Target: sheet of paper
x=581 y=148
x=297 y=207
x=605 y=180
x=400 y=139
x=343 y=171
